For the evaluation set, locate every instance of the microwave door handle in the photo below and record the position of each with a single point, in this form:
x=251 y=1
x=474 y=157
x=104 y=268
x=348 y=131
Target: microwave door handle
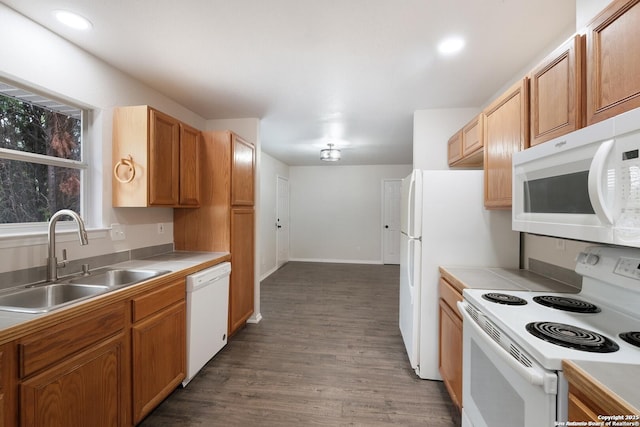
x=596 y=172
x=532 y=375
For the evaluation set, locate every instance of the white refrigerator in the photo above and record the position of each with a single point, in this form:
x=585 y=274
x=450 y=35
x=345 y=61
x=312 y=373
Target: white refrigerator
x=444 y=223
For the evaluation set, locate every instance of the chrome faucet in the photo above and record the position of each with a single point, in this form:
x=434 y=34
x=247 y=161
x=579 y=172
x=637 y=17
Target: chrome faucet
x=52 y=261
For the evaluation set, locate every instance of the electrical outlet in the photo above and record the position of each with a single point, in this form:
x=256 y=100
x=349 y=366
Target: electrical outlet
x=561 y=245
x=117 y=232
x=160 y=228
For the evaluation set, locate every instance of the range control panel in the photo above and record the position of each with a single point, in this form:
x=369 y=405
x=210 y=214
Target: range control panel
x=628 y=267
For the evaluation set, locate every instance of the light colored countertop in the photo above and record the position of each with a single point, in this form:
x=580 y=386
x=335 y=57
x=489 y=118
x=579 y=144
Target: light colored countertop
x=616 y=383
x=178 y=261
x=502 y=279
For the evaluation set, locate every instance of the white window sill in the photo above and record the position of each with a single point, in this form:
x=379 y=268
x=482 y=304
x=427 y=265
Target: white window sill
x=66 y=233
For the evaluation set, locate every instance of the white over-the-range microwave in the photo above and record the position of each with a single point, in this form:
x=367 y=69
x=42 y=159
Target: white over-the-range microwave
x=584 y=185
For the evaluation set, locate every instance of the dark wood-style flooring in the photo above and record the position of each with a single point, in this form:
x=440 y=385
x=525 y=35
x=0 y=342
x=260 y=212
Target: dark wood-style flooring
x=328 y=352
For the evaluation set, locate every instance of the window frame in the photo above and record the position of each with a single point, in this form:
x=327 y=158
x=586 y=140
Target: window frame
x=10 y=230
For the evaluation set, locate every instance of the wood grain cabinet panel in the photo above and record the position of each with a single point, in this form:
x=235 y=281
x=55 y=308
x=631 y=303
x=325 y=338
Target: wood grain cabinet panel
x=465 y=147
x=505 y=130
x=241 y=285
x=155 y=159
x=557 y=88
x=85 y=390
x=164 y=152
x=454 y=148
x=159 y=358
x=450 y=342
x=613 y=43
x=190 y=142
x=242 y=172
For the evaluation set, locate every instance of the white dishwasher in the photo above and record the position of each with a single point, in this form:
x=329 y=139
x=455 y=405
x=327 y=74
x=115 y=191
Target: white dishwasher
x=207 y=316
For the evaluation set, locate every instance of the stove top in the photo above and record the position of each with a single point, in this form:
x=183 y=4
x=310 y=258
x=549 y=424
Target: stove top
x=501 y=298
x=600 y=323
x=572 y=337
x=566 y=303
x=632 y=337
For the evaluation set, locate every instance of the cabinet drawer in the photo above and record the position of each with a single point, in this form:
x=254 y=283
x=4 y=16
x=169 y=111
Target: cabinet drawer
x=450 y=295
x=155 y=301
x=45 y=348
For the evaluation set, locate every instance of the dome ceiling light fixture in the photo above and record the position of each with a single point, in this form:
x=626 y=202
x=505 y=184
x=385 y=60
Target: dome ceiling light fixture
x=330 y=154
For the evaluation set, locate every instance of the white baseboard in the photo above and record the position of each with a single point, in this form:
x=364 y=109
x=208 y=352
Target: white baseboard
x=337 y=261
x=268 y=273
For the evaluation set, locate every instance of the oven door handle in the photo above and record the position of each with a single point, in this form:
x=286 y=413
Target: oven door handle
x=532 y=375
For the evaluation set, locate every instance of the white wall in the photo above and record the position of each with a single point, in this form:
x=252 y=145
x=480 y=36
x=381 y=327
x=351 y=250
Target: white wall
x=586 y=10
x=272 y=168
x=336 y=212
x=431 y=131
x=41 y=60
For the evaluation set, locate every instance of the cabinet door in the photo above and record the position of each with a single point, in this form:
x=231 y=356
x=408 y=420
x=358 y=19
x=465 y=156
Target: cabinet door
x=557 y=87
x=86 y=390
x=580 y=411
x=159 y=358
x=506 y=130
x=454 y=148
x=472 y=137
x=613 y=43
x=164 y=136
x=241 y=286
x=189 y=166
x=243 y=160
x=451 y=352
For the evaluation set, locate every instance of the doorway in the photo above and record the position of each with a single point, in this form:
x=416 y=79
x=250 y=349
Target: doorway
x=391 y=199
x=282 y=221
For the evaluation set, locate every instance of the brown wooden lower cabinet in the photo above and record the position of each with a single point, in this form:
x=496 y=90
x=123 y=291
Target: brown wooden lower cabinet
x=241 y=285
x=108 y=367
x=86 y=390
x=450 y=339
x=580 y=410
x=158 y=347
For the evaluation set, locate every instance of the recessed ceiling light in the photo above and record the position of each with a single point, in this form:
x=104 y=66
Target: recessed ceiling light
x=451 y=45
x=72 y=20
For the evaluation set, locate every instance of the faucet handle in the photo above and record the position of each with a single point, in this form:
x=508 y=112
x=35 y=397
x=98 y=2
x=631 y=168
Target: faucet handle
x=63 y=263
x=85 y=269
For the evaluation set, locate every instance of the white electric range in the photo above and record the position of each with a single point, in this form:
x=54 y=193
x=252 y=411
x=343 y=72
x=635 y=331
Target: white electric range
x=514 y=341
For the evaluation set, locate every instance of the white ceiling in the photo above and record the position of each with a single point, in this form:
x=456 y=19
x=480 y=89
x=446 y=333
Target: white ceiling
x=350 y=72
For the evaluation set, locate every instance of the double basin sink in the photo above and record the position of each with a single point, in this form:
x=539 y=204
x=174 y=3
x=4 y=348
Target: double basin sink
x=48 y=296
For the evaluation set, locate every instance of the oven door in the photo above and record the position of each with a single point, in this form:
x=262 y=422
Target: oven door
x=497 y=389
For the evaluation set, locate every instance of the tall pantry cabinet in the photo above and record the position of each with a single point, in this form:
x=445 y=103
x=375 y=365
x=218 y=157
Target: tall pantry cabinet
x=225 y=220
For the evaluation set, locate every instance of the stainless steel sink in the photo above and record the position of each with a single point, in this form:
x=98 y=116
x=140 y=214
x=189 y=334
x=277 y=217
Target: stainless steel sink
x=117 y=277
x=47 y=297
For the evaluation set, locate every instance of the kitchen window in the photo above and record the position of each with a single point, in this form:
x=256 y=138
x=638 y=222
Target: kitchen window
x=42 y=166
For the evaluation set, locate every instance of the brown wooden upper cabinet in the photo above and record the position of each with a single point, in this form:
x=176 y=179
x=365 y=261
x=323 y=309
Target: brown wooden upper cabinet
x=505 y=131
x=557 y=88
x=155 y=159
x=465 y=146
x=243 y=158
x=613 y=61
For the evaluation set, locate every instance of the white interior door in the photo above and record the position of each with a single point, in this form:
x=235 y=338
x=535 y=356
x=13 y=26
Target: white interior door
x=282 y=221
x=392 y=195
